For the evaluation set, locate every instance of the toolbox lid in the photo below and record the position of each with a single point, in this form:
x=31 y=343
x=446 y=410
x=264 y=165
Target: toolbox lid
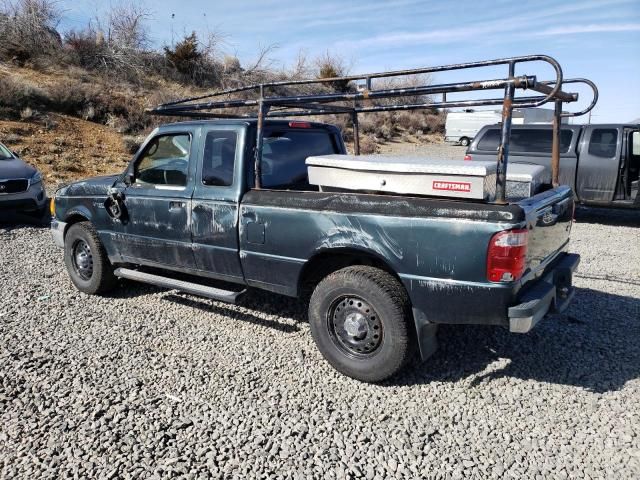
x=404 y=164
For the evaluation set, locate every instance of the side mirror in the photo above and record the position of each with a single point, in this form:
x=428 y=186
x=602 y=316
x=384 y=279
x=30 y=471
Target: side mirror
x=129 y=178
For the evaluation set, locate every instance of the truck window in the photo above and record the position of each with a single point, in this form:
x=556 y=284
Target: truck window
x=284 y=154
x=219 y=158
x=603 y=142
x=164 y=161
x=531 y=140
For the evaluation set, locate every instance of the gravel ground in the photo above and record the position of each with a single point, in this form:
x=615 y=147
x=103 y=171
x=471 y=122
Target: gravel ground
x=149 y=383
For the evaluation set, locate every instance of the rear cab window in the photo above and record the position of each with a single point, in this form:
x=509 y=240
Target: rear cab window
x=219 y=157
x=285 y=151
x=526 y=140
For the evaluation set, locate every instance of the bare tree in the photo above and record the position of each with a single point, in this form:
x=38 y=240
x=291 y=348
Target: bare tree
x=28 y=28
x=300 y=68
x=127 y=28
x=409 y=81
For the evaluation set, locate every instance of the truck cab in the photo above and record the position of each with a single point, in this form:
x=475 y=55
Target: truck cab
x=182 y=192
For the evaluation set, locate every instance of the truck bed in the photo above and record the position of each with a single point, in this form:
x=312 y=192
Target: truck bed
x=433 y=245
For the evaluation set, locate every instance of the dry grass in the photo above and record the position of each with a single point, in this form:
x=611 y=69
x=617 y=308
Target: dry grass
x=71 y=148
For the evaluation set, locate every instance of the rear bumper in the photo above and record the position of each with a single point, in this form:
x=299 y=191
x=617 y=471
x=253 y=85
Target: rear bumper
x=550 y=294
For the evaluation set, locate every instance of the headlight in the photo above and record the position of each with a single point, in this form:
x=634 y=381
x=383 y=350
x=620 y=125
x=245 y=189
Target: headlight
x=37 y=178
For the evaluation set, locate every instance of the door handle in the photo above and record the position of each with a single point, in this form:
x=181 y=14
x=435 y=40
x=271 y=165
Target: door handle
x=176 y=205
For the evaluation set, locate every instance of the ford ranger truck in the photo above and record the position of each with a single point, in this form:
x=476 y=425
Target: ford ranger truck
x=381 y=272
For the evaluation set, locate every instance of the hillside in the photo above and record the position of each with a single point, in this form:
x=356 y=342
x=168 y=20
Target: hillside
x=71 y=124
x=66 y=148
x=73 y=102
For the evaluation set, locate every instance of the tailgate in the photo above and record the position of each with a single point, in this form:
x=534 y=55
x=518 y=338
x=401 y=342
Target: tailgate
x=549 y=216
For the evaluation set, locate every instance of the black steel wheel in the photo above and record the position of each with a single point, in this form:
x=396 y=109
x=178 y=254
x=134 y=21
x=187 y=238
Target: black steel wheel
x=355 y=326
x=360 y=321
x=82 y=259
x=86 y=260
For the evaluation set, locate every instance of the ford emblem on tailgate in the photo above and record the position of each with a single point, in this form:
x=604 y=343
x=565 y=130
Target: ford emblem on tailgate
x=548 y=218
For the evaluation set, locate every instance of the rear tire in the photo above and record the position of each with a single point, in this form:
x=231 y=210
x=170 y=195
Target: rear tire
x=359 y=321
x=86 y=260
x=464 y=141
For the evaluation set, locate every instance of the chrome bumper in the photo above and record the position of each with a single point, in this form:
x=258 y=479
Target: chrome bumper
x=551 y=294
x=57 y=232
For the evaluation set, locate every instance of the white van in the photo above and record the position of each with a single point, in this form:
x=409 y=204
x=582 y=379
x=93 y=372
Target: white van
x=462 y=127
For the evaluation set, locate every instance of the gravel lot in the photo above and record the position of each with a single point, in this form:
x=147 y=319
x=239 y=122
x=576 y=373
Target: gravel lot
x=153 y=384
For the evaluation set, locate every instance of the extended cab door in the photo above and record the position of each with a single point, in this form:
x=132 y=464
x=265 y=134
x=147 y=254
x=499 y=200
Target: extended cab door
x=157 y=228
x=599 y=163
x=218 y=187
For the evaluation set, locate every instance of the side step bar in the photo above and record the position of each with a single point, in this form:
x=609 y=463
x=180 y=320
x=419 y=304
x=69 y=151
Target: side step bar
x=186 y=287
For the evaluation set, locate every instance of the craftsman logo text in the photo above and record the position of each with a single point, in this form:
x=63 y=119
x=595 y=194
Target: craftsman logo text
x=452 y=186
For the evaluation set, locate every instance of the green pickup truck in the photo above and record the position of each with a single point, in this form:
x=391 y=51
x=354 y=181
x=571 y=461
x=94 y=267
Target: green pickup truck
x=231 y=201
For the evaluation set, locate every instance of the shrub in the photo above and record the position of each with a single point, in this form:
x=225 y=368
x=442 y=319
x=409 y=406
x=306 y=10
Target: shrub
x=28 y=29
x=330 y=65
x=132 y=143
x=368 y=145
x=17 y=96
x=27 y=114
x=185 y=55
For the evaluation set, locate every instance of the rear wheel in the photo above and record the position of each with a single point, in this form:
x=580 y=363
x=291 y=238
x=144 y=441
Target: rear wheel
x=86 y=260
x=464 y=141
x=359 y=321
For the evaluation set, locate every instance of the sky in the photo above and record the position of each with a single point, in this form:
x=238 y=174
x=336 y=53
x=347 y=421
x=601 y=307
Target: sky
x=597 y=39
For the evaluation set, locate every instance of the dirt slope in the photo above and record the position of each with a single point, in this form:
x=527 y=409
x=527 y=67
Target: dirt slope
x=66 y=148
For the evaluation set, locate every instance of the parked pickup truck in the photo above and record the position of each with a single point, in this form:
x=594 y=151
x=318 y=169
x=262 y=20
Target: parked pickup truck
x=601 y=163
x=382 y=271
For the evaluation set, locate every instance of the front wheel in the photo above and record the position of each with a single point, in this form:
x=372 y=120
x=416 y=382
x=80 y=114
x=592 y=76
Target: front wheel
x=359 y=321
x=86 y=260
x=464 y=141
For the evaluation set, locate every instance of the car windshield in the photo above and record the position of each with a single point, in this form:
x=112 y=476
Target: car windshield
x=5 y=153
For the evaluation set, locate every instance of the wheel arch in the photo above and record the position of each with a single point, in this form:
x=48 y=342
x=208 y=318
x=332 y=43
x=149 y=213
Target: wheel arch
x=326 y=261
x=73 y=217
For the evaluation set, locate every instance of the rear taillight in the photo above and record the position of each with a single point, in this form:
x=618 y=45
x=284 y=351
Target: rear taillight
x=468 y=157
x=506 y=258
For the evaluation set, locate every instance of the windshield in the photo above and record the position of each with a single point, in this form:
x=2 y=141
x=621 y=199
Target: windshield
x=5 y=153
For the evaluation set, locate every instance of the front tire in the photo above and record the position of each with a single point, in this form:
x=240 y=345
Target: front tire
x=86 y=260
x=359 y=320
x=464 y=141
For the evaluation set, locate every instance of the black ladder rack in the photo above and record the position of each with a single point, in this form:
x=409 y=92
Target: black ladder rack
x=353 y=102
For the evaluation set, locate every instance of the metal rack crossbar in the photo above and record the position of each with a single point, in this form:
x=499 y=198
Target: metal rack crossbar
x=350 y=100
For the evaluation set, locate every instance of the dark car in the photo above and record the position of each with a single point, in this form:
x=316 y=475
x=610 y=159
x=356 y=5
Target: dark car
x=21 y=185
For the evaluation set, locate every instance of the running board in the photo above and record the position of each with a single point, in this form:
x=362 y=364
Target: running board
x=228 y=296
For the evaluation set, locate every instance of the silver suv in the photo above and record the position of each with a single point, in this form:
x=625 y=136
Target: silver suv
x=21 y=186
